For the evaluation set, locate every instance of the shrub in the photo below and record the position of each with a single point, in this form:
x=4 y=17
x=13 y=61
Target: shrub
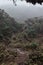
x=31 y=32
x=33 y=45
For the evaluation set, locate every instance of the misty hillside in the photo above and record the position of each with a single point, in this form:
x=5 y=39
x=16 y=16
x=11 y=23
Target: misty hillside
x=32 y=27
x=21 y=44
x=8 y=25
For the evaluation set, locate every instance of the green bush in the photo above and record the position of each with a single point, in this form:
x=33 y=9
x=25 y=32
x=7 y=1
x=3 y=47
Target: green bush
x=34 y=45
x=31 y=32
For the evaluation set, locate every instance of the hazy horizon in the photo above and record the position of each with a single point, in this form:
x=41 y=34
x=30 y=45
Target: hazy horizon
x=22 y=11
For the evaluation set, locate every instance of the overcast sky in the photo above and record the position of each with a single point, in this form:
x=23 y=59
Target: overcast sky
x=23 y=10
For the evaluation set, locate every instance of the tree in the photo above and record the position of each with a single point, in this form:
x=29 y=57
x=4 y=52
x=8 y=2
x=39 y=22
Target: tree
x=32 y=1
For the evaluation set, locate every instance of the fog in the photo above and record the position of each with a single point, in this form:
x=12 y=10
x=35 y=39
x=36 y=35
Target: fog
x=22 y=11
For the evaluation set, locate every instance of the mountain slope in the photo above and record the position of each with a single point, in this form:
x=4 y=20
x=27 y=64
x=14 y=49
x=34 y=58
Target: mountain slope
x=8 y=25
x=25 y=46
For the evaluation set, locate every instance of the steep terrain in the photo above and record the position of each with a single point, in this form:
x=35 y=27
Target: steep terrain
x=8 y=25
x=21 y=44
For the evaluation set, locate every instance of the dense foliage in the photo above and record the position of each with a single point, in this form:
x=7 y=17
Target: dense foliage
x=21 y=44
x=7 y=25
x=32 y=1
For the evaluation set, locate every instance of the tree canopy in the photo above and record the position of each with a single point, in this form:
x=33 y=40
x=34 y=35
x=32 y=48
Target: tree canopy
x=35 y=1
x=32 y=1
